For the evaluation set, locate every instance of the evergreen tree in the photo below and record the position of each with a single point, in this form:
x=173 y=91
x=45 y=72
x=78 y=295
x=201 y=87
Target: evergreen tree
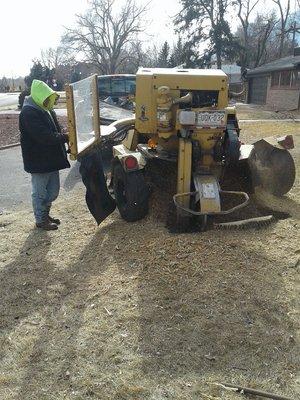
x=3 y=84
x=38 y=71
x=204 y=23
x=163 y=56
x=177 y=56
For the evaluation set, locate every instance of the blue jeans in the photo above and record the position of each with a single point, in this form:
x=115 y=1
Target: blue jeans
x=45 y=189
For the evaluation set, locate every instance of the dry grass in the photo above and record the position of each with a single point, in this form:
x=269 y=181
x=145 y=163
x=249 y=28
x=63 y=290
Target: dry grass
x=252 y=131
x=255 y=112
x=131 y=311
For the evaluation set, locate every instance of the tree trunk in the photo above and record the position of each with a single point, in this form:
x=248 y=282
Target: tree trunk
x=219 y=58
x=281 y=46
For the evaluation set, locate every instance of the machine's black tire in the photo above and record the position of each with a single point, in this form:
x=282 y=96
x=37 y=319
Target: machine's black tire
x=131 y=193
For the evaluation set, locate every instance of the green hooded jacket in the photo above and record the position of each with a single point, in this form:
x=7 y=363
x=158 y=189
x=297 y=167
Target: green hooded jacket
x=40 y=91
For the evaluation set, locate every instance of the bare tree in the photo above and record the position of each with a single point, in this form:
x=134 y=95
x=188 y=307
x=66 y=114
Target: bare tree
x=284 y=15
x=102 y=35
x=245 y=9
x=54 y=57
x=262 y=40
x=265 y=27
x=133 y=57
x=60 y=61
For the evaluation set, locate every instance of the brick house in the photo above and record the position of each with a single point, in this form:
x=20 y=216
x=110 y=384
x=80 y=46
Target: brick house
x=276 y=84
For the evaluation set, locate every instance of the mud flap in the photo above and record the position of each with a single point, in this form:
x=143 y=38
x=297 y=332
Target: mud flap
x=99 y=201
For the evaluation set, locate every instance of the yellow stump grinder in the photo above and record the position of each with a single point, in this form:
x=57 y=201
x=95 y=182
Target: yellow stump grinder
x=182 y=120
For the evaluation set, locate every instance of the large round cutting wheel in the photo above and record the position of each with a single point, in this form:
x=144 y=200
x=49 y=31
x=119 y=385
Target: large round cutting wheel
x=272 y=169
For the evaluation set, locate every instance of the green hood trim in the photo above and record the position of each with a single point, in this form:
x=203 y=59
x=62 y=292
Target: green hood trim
x=40 y=91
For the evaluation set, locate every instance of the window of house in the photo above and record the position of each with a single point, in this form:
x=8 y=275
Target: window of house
x=275 y=79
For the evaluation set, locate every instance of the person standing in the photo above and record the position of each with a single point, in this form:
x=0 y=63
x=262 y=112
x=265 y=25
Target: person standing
x=43 y=150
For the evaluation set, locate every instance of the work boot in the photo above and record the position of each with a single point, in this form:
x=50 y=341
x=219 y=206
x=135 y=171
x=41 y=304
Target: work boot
x=54 y=220
x=47 y=226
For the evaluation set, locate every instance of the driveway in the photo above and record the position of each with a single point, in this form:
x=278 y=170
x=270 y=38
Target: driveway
x=15 y=185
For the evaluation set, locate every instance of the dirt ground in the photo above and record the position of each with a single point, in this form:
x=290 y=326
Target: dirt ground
x=130 y=311
x=9 y=128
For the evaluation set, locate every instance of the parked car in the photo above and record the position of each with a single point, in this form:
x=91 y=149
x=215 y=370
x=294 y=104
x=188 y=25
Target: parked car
x=118 y=90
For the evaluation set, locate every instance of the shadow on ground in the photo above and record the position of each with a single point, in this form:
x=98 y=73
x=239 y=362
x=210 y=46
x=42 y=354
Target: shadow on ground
x=200 y=308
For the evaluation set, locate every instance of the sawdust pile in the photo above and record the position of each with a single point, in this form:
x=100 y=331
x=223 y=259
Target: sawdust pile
x=130 y=311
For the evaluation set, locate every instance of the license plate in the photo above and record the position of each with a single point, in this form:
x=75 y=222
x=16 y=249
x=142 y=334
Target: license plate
x=211 y=119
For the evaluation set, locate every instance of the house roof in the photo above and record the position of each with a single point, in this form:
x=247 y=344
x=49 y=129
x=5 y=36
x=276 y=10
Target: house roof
x=290 y=62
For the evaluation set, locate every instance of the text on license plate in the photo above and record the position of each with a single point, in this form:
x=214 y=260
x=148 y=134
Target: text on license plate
x=212 y=118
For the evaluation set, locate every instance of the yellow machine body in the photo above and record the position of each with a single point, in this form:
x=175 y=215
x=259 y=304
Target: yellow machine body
x=147 y=99
x=161 y=97
x=181 y=116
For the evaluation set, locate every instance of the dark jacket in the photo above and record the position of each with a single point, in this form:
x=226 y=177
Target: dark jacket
x=42 y=143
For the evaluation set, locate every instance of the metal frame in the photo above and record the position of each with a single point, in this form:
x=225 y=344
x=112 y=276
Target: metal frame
x=225 y=212
x=184 y=171
x=72 y=121
x=96 y=110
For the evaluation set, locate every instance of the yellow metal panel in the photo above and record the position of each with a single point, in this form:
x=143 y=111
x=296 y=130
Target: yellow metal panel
x=149 y=80
x=71 y=122
x=191 y=82
x=223 y=97
x=96 y=108
x=209 y=204
x=145 y=105
x=184 y=170
x=183 y=72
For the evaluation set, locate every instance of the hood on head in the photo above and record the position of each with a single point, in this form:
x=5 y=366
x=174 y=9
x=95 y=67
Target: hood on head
x=40 y=91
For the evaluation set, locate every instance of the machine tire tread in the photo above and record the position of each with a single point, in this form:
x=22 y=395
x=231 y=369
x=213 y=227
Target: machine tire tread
x=133 y=202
